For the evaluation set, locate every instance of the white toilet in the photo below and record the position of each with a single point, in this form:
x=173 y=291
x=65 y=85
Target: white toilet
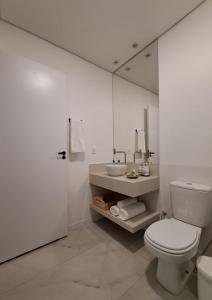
x=175 y=241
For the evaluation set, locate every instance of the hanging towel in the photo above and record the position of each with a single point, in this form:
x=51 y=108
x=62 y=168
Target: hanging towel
x=126 y=202
x=77 y=136
x=141 y=141
x=114 y=210
x=131 y=211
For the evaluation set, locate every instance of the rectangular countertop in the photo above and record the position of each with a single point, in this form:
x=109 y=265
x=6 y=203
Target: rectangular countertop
x=124 y=177
x=124 y=185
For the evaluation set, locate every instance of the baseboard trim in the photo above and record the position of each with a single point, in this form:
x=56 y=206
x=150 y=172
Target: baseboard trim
x=84 y=222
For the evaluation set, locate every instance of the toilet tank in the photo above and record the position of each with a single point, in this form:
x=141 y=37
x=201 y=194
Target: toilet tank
x=191 y=203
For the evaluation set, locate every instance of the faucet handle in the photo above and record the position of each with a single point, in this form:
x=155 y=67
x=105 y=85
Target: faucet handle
x=151 y=153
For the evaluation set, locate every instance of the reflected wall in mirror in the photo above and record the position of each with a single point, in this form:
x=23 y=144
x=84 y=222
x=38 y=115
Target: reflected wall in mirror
x=136 y=107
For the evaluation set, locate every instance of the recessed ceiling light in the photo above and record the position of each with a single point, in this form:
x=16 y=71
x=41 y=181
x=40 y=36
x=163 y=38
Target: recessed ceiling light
x=127 y=69
x=116 y=62
x=135 y=45
x=147 y=54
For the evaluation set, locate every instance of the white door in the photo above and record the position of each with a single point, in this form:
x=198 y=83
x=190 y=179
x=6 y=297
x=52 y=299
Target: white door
x=153 y=133
x=33 y=204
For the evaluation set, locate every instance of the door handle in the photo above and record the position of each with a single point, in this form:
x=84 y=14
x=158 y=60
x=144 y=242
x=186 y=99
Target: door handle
x=63 y=153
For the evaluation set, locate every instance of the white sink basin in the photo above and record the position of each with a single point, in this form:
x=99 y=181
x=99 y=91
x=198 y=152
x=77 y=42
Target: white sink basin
x=116 y=169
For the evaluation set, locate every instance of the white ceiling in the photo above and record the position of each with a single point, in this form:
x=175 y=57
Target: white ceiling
x=100 y=31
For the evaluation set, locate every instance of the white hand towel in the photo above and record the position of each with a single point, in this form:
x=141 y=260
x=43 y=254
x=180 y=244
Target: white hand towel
x=141 y=141
x=131 y=211
x=77 y=136
x=126 y=202
x=114 y=210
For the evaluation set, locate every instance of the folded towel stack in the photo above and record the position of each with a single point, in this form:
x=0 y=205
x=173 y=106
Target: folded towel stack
x=126 y=202
x=128 y=208
x=131 y=211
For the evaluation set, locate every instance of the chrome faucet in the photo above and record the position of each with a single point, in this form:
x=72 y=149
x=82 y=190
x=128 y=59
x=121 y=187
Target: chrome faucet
x=146 y=155
x=124 y=152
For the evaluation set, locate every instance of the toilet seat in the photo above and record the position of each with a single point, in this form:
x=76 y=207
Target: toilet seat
x=173 y=236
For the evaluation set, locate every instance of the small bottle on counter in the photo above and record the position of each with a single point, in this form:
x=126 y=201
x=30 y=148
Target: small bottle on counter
x=144 y=169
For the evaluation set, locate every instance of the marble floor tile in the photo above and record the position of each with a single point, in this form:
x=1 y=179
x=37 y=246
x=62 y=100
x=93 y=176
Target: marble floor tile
x=79 y=278
x=99 y=261
x=133 y=242
x=82 y=239
x=121 y=269
x=145 y=253
x=105 y=271
x=12 y=276
x=44 y=258
x=147 y=288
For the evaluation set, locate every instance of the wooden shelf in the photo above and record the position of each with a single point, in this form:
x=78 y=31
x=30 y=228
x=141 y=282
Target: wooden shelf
x=135 y=223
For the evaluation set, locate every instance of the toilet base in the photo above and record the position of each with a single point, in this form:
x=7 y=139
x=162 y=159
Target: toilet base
x=173 y=277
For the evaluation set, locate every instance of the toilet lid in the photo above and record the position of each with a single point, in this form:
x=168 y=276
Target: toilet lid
x=172 y=234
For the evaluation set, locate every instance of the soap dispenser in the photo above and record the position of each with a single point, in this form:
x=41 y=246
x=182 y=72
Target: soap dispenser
x=144 y=169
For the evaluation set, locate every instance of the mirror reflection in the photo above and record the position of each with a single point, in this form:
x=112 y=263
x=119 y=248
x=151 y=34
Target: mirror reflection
x=136 y=108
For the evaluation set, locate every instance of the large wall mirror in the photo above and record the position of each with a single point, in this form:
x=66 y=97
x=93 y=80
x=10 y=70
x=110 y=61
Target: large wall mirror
x=136 y=107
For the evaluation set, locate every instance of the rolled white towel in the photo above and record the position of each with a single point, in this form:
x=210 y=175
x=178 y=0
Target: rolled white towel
x=114 y=210
x=131 y=211
x=126 y=202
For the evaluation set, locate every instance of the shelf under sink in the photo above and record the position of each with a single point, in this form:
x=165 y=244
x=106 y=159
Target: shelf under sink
x=134 y=224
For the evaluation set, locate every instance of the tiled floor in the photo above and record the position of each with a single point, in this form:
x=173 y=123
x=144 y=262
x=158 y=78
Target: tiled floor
x=98 y=261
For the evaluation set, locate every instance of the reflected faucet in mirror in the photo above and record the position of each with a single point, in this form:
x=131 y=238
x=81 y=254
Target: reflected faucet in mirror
x=118 y=152
x=147 y=155
x=137 y=152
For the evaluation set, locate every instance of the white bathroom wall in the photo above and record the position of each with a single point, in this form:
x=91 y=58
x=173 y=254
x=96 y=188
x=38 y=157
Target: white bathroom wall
x=185 y=73
x=89 y=90
x=130 y=100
